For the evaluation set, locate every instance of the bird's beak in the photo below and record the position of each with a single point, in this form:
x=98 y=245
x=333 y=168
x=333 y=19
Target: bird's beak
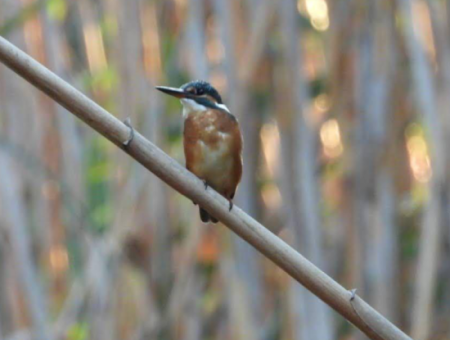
x=178 y=93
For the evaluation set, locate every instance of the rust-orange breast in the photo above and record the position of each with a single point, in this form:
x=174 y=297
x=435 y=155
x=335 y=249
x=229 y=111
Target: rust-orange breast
x=213 y=149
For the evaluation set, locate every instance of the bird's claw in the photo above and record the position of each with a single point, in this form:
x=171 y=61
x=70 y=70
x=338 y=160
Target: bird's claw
x=353 y=294
x=127 y=122
x=206 y=185
x=231 y=205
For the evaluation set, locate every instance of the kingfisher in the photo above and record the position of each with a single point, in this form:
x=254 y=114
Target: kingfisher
x=212 y=139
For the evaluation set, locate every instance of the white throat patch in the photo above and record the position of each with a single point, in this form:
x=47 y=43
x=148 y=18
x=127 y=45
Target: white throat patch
x=191 y=106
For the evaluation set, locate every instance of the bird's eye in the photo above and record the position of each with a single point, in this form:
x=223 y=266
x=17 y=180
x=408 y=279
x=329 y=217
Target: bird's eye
x=200 y=92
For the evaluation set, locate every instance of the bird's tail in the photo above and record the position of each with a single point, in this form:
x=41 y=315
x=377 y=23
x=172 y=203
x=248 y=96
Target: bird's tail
x=206 y=217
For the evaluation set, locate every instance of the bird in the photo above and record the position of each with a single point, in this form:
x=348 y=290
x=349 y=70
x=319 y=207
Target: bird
x=212 y=139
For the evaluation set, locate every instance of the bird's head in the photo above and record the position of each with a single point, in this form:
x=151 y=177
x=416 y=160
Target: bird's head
x=196 y=95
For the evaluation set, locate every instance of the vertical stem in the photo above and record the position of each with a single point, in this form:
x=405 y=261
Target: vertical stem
x=248 y=266
x=314 y=323
x=430 y=239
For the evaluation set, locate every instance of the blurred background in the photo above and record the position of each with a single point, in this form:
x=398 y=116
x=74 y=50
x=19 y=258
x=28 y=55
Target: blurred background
x=344 y=107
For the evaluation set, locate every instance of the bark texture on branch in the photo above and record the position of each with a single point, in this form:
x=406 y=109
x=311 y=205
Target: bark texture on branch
x=358 y=312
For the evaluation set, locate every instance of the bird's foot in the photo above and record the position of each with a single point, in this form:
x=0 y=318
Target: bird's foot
x=127 y=143
x=206 y=184
x=231 y=204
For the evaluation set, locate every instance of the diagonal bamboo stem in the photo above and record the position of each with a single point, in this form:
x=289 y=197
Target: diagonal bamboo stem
x=358 y=312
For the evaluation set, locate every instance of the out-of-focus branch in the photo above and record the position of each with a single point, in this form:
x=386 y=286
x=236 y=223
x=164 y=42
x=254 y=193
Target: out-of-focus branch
x=15 y=222
x=22 y=16
x=356 y=311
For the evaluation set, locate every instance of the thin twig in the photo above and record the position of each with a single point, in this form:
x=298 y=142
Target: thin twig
x=189 y=185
